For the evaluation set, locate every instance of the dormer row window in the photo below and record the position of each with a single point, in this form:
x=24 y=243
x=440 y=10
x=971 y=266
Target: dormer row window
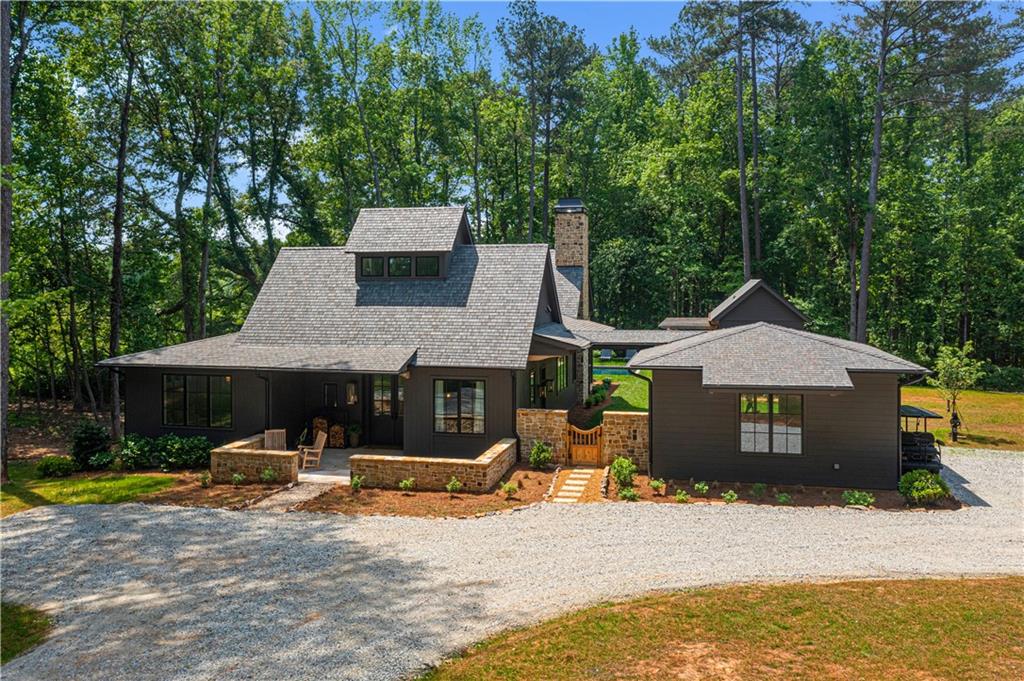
x=400 y=266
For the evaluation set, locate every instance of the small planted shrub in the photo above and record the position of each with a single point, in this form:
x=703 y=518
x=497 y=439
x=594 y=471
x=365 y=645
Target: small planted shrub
x=856 y=497
x=623 y=470
x=510 y=489
x=784 y=499
x=204 y=479
x=701 y=488
x=136 y=452
x=540 y=455
x=268 y=475
x=407 y=485
x=56 y=466
x=454 y=486
x=237 y=479
x=923 y=487
x=174 y=452
x=607 y=382
x=356 y=483
x=658 y=485
x=681 y=496
x=629 y=494
x=88 y=439
x=758 y=489
x=728 y=496
x=101 y=461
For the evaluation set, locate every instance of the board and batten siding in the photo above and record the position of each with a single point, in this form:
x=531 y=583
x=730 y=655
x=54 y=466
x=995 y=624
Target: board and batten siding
x=696 y=435
x=760 y=306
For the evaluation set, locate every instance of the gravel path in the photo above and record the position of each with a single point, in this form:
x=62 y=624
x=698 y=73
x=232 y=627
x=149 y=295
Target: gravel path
x=290 y=498
x=171 y=593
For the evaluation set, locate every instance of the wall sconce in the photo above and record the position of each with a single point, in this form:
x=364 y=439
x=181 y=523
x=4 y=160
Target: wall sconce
x=351 y=392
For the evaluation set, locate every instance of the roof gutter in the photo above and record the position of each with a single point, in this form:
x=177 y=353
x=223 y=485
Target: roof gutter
x=650 y=418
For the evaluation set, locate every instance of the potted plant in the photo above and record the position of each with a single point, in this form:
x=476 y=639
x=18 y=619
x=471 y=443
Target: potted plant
x=354 y=431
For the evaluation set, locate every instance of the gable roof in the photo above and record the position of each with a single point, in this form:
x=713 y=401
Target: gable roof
x=409 y=230
x=744 y=292
x=768 y=356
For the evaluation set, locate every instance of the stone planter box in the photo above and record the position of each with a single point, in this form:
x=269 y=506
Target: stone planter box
x=432 y=474
x=247 y=456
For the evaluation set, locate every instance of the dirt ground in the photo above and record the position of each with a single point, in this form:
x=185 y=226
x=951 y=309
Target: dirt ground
x=46 y=432
x=187 y=491
x=340 y=499
x=802 y=495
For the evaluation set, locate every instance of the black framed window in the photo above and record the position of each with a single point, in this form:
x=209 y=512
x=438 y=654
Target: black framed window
x=381 y=395
x=562 y=375
x=771 y=423
x=428 y=266
x=331 y=395
x=372 y=266
x=197 y=400
x=399 y=266
x=459 y=406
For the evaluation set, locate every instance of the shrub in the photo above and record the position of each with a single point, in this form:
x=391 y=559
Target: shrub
x=758 y=489
x=855 y=497
x=356 y=482
x=606 y=382
x=510 y=488
x=784 y=498
x=101 y=460
x=1003 y=379
x=237 y=479
x=658 y=485
x=56 y=466
x=88 y=439
x=540 y=455
x=268 y=475
x=454 y=486
x=407 y=485
x=623 y=470
x=136 y=452
x=681 y=496
x=728 y=496
x=173 y=452
x=204 y=479
x=628 y=494
x=923 y=487
x=701 y=488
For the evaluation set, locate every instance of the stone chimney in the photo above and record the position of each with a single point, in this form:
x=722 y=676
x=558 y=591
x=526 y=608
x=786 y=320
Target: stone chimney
x=572 y=247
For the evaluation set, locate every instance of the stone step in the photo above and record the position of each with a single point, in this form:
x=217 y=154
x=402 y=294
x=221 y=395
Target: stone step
x=563 y=501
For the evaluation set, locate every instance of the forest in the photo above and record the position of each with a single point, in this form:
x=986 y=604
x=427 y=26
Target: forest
x=159 y=154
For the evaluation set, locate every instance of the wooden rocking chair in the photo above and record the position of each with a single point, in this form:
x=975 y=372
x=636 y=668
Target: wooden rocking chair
x=311 y=455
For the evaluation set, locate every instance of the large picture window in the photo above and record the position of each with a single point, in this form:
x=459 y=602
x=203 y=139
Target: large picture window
x=771 y=423
x=199 y=401
x=459 y=406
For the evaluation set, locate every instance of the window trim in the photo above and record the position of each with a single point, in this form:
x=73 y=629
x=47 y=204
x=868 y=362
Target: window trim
x=400 y=276
x=365 y=258
x=458 y=407
x=209 y=401
x=771 y=423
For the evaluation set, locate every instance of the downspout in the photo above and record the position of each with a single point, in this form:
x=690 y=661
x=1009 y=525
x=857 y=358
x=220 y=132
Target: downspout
x=650 y=419
x=515 y=418
x=266 y=400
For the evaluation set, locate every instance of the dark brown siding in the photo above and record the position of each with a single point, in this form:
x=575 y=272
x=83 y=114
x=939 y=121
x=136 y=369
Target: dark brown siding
x=761 y=306
x=696 y=434
x=499 y=406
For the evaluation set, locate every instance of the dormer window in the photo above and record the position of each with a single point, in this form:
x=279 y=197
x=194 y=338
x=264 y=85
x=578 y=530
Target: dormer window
x=372 y=266
x=428 y=266
x=399 y=266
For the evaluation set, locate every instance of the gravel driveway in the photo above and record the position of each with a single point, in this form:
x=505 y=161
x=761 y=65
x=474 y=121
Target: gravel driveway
x=171 y=593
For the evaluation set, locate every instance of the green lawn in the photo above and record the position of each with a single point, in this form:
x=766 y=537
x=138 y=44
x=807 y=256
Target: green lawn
x=631 y=395
x=27 y=490
x=23 y=628
x=920 y=629
x=991 y=420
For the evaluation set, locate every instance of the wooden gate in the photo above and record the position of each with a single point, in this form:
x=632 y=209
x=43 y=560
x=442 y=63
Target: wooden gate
x=584 y=446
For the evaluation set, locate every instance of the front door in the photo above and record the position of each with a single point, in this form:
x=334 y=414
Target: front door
x=387 y=407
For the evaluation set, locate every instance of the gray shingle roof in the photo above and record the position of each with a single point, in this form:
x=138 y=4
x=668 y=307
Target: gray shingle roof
x=558 y=332
x=481 y=315
x=409 y=230
x=767 y=356
x=744 y=291
x=568 y=285
x=602 y=334
x=226 y=352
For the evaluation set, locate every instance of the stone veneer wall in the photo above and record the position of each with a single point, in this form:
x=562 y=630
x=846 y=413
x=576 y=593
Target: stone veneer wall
x=546 y=425
x=247 y=456
x=582 y=360
x=476 y=475
x=572 y=249
x=626 y=434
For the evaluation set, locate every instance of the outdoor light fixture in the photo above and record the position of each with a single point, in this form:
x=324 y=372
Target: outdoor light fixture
x=351 y=392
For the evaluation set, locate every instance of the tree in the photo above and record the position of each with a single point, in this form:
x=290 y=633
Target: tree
x=5 y=225
x=955 y=372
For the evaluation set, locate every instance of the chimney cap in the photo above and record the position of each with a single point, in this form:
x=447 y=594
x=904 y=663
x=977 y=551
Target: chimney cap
x=570 y=206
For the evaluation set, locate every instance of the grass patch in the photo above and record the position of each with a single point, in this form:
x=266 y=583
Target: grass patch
x=991 y=420
x=936 y=629
x=27 y=490
x=23 y=628
x=631 y=395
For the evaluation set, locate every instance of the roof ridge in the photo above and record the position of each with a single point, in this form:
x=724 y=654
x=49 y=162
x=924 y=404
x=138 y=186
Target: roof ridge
x=832 y=341
x=702 y=338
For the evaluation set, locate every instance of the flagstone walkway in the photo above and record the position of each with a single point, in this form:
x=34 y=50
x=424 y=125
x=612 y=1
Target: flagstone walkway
x=572 y=487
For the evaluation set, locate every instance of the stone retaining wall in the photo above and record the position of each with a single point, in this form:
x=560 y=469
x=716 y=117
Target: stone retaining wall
x=247 y=456
x=476 y=475
x=626 y=434
x=546 y=425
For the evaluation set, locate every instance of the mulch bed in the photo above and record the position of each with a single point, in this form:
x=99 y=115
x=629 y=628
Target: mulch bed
x=806 y=496
x=187 y=491
x=340 y=499
x=580 y=415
